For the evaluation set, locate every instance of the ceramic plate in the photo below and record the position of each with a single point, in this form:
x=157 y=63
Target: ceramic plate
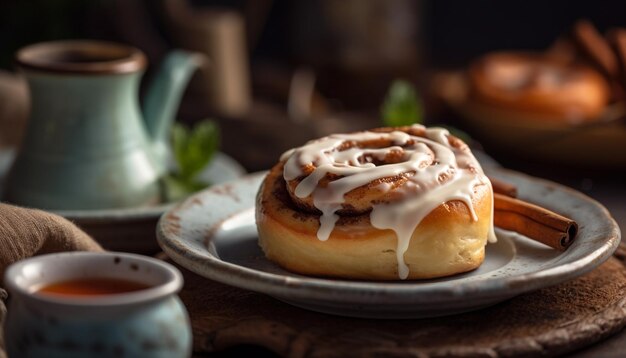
x=132 y=229
x=213 y=233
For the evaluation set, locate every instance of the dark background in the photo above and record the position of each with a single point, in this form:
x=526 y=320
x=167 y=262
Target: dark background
x=452 y=32
x=456 y=31
x=286 y=35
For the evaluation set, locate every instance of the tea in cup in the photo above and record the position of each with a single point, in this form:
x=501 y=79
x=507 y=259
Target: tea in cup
x=87 y=304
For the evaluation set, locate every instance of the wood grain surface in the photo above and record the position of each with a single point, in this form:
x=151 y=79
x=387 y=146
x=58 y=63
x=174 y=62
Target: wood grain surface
x=547 y=322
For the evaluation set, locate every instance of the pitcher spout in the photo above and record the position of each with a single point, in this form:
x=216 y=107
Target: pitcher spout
x=164 y=95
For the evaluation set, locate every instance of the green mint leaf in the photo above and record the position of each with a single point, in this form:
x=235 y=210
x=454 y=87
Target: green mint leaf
x=203 y=143
x=180 y=135
x=175 y=188
x=402 y=106
x=194 y=149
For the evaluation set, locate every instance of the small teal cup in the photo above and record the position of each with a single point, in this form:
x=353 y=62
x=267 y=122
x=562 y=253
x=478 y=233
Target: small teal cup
x=151 y=322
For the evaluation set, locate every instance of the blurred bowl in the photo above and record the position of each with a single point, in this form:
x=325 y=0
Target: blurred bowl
x=598 y=144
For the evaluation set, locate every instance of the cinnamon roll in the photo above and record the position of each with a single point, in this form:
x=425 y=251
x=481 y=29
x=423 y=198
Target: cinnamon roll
x=385 y=204
x=538 y=86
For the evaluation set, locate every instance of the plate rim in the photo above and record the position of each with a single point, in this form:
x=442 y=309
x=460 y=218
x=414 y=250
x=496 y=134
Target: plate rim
x=350 y=291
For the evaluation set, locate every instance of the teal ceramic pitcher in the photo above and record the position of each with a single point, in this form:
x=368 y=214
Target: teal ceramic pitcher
x=88 y=145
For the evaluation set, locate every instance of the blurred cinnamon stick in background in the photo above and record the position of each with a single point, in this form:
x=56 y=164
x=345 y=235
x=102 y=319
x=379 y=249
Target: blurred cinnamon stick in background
x=595 y=46
x=617 y=40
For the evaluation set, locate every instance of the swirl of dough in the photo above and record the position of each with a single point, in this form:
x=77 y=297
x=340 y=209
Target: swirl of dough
x=398 y=175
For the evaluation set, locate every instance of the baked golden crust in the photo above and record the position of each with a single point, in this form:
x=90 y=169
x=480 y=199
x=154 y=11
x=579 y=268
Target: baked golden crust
x=446 y=242
x=542 y=87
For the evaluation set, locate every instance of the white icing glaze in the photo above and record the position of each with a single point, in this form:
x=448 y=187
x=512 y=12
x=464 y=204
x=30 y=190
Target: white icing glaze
x=441 y=173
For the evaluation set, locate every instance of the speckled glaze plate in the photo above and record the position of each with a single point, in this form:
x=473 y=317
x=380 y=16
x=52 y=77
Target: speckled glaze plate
x=213 y=233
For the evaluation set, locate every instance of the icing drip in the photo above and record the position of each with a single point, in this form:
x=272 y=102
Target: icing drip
x=440 y=173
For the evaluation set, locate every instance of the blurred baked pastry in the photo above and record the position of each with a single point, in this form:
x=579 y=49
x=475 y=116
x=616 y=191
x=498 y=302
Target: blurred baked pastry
x=539 y=86
x=386 y=204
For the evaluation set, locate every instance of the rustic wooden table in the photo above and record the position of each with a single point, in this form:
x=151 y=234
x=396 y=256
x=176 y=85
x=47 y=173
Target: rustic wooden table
x=609 y=188
x=611 y=192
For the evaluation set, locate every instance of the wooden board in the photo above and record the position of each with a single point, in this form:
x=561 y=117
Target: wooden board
x=550 y=321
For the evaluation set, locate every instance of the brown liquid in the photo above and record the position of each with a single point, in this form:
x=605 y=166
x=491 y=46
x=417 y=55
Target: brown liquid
x=92 y=287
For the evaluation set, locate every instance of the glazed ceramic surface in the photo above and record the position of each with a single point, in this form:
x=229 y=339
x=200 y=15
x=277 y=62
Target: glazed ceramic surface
x=146 y=323
x=132 y=229
x=213 y=233
x=88 y=145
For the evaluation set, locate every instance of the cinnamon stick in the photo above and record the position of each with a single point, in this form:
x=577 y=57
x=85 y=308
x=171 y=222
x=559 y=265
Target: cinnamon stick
x=502 y=187
x=593 y=44
x=534 y=222
x=617 y=39
x=563 y=50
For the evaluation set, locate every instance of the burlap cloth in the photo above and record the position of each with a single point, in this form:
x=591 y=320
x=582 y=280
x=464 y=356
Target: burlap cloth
x=28 y=232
